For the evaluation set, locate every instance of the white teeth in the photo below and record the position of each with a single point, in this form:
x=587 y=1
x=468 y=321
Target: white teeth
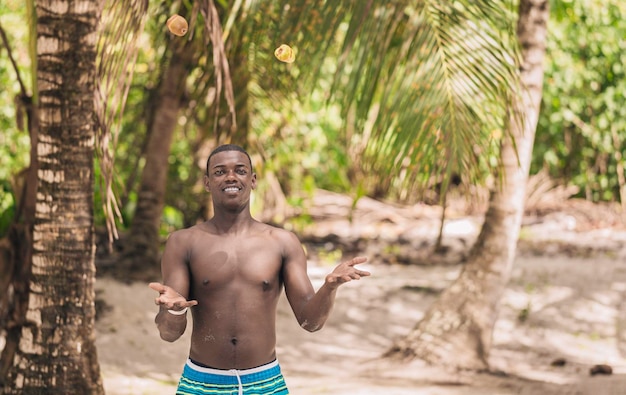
x=231 y=189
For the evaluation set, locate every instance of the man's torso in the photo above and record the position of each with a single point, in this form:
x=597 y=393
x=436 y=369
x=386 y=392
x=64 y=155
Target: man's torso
x=236 y=280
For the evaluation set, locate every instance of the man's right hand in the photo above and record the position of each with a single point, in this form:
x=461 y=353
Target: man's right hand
x=169 y=298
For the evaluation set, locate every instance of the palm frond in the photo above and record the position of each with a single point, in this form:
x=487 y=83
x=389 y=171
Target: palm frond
x=223 y=80
x=428 y=82
x=120 y=28
x=450 y=93
x=423 y=86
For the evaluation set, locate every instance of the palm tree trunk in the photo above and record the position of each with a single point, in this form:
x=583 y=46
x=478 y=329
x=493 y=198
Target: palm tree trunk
x=56 y=349
x=141 y=249
x=457 y=330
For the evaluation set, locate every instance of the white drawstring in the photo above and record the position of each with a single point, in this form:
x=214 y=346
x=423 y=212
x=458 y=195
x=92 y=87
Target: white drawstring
x=238 y=380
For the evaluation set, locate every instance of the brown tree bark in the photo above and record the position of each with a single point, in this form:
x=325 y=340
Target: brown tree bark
x=55 y=349
x=141 y=248
x=457 y=330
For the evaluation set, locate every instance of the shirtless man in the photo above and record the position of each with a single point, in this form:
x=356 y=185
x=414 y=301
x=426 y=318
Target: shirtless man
x=229 y=272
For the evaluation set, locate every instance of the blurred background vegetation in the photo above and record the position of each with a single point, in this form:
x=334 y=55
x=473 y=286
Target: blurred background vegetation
x=299 y=140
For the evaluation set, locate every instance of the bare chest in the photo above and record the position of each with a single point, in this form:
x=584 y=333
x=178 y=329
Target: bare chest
x=228 y=263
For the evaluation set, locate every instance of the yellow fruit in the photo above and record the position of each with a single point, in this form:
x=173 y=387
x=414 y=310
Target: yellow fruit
x=285 y=53
x=177 y=25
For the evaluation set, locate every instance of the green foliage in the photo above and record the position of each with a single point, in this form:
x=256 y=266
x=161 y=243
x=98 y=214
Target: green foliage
x=410 y=80
x=384 y=98
x=302 y=145
x=583 y=122
x=7 y=206
x=172 y=219
x=14 y=139
x=185 y=190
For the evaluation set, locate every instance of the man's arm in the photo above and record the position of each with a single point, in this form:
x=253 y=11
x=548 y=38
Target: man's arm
x=313 y=308
x=171 y=319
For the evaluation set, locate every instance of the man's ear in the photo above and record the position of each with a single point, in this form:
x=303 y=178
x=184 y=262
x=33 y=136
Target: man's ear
x=205 y=181
x=253 y=180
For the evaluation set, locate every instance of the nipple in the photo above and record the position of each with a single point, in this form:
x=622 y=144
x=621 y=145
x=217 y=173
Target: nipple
x=266 y=285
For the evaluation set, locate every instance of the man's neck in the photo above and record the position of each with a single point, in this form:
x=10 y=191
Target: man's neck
x=231 y=222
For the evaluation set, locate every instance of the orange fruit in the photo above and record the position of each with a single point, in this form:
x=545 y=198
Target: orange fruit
x=177 y=25
x=285 y=53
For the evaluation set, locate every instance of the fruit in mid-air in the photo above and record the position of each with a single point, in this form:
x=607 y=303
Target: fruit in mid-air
x=177 y=25
x=285 y=53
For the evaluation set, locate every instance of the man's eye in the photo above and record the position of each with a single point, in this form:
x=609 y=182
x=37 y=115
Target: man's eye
x=242 y=171
x=219 y=172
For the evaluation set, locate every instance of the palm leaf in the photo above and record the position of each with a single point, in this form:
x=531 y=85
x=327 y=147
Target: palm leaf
x=424 y=85
x=449 y=95
x=120 y=28
x=221 y=68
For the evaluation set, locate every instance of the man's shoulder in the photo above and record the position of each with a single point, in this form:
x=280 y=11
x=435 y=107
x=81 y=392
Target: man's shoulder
x=278 y=233
x=187 y=233
x=267 y=227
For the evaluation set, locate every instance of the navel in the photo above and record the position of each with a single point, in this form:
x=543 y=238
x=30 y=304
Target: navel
x=234 y=341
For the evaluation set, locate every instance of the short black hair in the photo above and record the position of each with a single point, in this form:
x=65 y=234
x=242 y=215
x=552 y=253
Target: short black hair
x=224 y=148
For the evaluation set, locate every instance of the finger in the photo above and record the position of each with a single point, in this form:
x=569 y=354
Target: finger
x=160 y=288
x=363 y=273
x=357 y=260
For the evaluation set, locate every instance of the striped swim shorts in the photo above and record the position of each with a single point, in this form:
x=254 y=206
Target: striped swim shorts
x=263 y=380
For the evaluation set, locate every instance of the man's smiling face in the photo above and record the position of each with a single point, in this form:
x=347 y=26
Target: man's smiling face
x=230 y=179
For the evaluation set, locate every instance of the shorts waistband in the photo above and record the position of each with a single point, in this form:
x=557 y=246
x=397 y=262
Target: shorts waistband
x=231 y=372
